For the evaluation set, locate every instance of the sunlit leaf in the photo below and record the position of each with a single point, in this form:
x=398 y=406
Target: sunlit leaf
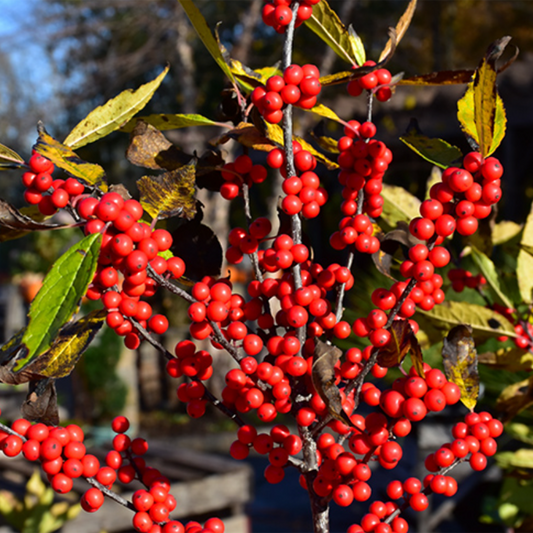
x=398 y=205
x=149 y=148
x=68 y=346
x=504 y=231
x=325 y=112
x=519 y=431
x=59 y=297
x=10 y=157
x=510 y=359
x=165 y=122
x=515 y=398
x=489 y=271
x=459 y=357
x=522 y=458
x=485 y=323
x=63 y=157
x=436 y=151
x=524 y=269
x=200 y=25
x=327 y=25
x=169 y=194
x=401 y=28
x=477 y=110
x=113 y=114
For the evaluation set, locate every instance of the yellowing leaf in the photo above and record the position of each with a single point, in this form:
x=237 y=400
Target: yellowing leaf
x=398 y=205
x=68 y=346
x=267 y=72
x=200 y=25
x=401 y=28
x=63 y=157
x=325 y=112
x=10 y=157
x=522 y=458
x=477 y=110
x=327 y=25
x=504 y=231
x=485 y=323
x=165 y=122
x=436 y=151
x=169 y=194
x=459 y=357
x=524 y=269
x=443 y=77
x=515 y=398
x=510 y=359
x=113 y=114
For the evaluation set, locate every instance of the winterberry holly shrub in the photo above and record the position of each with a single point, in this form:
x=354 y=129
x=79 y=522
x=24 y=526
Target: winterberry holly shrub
x=306 y=357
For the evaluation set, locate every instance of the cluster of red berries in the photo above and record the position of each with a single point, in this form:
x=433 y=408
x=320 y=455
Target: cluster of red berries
x=279 y=444
x=39 y=181
x=461 y=278
x=241 y=170
x=128 y=248
x=523 y=328
x=63 y=458
x=377 y=82
x=247 y=242
x=278 y=13
x=298 y=86
x=363 y=163
x=303 y=192
x=356 y=231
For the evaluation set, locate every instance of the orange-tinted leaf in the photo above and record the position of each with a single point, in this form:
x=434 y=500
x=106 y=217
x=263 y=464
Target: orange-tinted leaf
x=401 y=28
x=459 y=357
x=169 y=194
x=247 y=135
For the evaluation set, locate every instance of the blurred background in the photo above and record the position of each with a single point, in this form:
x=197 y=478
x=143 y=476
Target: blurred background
x=60 y=59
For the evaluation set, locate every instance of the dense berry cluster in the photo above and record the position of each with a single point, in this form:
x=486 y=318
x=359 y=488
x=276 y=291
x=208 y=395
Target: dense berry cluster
x=278 y=13
x=298 y=86
x=42 y=190
x=376 y=82
x=63 y=458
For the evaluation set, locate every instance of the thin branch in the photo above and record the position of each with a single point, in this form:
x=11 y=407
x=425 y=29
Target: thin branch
x=111 y=495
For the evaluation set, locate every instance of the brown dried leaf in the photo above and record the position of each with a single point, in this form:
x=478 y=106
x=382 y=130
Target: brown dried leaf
x=402 y=342
x=169 y=194
x=515 y=398
x=459 y=357
x=41 y=403
x=149 y=148
x=323 y=376
x=401 y=28
x=247 y=135
x=443 y=77
x=15 y=224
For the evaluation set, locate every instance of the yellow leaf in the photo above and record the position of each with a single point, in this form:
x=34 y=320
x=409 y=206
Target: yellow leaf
x=510 y=359
x=459 y=357
x=169 y=194
x=170 y=122
x=401 y=28
x=113 y=114
x=515 y=398
x=504 y=231
x=398 y=205
x=524 y=269
x=63 y=157
x=8 y=156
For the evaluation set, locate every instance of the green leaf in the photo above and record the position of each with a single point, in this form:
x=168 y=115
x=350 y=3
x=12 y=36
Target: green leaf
x=327 y=25
x=10 y=156
x=522 y=458
x=436 y=151
x=485 y=323
x=170 y=122
x=63 y=157
x=68 y=346
x=399 y=205
x=201 y=27
x=59 y=297
x=478 y=111
x=113 y=114
x=521 y=432
x=524 y=269
x=489 y=271
x=267 y=72
x=401 y=28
